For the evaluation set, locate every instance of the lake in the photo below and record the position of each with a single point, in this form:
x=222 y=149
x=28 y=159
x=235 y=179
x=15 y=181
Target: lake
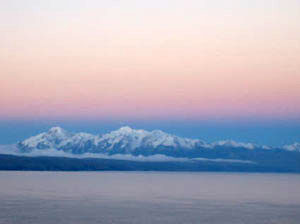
x=149 y=197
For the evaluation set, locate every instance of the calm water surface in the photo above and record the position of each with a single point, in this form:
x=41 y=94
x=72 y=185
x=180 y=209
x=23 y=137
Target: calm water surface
x=148 y=197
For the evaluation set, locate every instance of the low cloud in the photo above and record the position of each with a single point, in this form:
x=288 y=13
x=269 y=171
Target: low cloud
x=13 y=150
x=224 y=160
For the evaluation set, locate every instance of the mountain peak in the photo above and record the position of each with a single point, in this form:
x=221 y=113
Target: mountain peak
x=55 y=128
x=125 y=129
x=57 y=131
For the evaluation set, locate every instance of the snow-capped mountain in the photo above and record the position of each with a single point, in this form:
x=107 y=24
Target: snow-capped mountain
x=125 y=141
x=159 y=151
x=55 y=138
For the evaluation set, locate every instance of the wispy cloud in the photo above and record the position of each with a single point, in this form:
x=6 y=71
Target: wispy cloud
x=219 y=160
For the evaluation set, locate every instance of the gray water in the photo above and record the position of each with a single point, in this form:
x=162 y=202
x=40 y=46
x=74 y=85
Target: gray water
x=148 y=197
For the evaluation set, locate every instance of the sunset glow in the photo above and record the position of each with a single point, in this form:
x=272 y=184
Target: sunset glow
x=140 y=60
x=151 y=61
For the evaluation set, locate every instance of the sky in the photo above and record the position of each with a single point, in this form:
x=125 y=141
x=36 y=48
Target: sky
x=213 y=69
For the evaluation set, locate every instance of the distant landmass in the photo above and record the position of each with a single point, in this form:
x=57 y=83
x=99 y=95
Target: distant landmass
x=131 y=149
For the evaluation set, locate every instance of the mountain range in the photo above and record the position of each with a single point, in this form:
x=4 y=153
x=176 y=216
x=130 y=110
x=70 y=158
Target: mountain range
x=131 y=141
x=134 y=146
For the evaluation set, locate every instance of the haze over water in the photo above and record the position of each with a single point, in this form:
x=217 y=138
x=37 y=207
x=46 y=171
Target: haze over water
x=148 y=197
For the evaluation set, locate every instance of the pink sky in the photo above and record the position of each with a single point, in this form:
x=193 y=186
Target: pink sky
x=205 y=59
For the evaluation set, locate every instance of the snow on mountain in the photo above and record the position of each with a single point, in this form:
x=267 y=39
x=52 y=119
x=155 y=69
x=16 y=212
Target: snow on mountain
x=293 y=147
x=127 y=141
x=49 y=139
x=55 y=138
x=133 y=139
x=230 y=143
x=125 y=137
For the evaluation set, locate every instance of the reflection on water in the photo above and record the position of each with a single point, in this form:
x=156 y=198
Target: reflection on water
x=148 y=197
